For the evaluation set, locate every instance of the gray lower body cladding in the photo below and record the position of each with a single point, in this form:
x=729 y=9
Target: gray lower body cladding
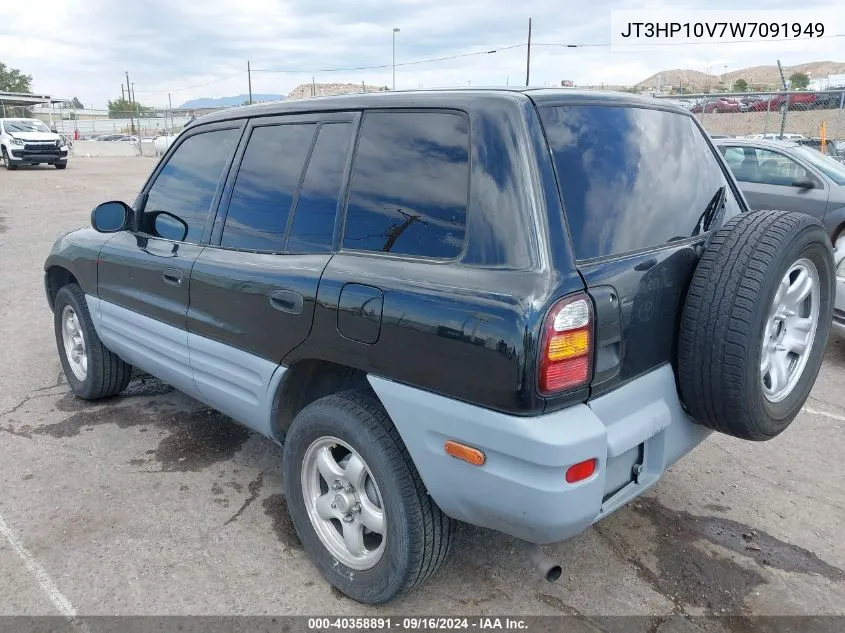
x=634 y=432
x=237 y=383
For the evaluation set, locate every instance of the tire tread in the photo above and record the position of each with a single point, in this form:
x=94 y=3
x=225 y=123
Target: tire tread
x=717 y=326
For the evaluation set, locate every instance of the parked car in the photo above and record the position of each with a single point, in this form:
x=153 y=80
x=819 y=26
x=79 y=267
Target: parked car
x=162 y=143
x=775 y=174
x=521 y=327
x=839 y=309
x=791 y=176
x=778 y=102
x=31 y=142
x=828 y=148
x=716 y=105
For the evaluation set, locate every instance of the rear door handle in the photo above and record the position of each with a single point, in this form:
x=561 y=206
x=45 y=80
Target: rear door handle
x=288 y=301
x=172 y=276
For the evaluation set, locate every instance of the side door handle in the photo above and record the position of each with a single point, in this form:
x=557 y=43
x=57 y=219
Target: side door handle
x=172 y=276
x=288 y=301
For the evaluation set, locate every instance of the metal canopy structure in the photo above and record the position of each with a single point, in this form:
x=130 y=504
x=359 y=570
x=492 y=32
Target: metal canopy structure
x=24 y=99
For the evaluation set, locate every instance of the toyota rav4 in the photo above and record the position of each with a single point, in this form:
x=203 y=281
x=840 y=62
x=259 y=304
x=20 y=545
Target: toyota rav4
x=513 y=308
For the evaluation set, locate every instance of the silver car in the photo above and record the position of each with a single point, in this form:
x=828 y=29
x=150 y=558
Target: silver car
x=839 y=310
x=786 y=175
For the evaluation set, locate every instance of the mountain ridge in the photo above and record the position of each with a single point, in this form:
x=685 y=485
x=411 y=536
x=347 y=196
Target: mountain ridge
x=766 y=77
x=227 y=102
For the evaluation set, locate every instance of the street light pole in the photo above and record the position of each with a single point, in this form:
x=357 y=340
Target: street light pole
x=395 y=31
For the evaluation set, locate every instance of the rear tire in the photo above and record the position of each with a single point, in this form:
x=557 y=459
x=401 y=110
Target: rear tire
x=416 y=535
x=92 y=371
x=741 y=368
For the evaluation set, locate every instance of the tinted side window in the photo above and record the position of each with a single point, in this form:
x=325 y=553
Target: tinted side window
x=774 y=168
x=410 y=184
x=314 y=219
x=631 y=178
x=187 y=183
x=265 y=186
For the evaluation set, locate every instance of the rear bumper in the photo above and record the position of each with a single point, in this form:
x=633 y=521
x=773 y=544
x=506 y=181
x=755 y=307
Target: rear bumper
x=28 y=157
x=635 y=433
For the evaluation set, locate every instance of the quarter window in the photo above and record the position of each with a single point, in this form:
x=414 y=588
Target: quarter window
x=186 y=185
x=410 y=184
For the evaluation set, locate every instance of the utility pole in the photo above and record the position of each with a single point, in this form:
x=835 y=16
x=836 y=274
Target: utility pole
x=122 y=93
x=249 y=80
x=528 y=56
x=129 y=93
x=170 y=104
x=395 y=31
x=313 y=86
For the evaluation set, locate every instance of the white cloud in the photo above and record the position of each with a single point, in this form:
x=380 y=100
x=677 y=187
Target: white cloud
x=83 y=47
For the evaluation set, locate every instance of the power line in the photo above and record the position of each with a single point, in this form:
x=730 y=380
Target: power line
x=759 y=41
x=475 y=54
x=382 y=66
x=208 y=83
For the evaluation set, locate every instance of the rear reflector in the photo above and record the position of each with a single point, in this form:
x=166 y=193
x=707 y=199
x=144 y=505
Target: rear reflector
x=466 y=453
x=581 y=471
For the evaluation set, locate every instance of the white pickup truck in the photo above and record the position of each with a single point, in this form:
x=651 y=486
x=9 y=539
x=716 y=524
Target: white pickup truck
x=30 y=142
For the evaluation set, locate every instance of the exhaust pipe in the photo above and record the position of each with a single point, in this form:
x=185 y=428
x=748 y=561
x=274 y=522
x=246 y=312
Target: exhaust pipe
x=548 y=568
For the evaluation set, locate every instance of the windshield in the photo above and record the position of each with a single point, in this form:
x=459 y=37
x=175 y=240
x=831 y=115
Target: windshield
x=25 y=126
x=831 y=168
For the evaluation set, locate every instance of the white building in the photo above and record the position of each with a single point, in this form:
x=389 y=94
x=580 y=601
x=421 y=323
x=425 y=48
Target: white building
x=827 y=83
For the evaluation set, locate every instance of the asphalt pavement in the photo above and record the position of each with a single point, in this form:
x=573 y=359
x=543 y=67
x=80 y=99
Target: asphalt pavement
x=150 y=503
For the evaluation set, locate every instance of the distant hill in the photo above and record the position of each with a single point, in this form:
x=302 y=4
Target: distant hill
x=691 y=79
x=763 y=77
x=228 y=102
x=303 y=91
x=768 y=75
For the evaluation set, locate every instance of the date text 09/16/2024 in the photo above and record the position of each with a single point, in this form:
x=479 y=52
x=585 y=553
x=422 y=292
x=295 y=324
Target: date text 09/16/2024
x=416 y=623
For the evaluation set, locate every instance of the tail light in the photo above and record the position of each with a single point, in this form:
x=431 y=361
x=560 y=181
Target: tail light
x=566 y=345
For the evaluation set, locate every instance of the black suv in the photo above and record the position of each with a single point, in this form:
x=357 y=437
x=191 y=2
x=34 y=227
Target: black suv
x=511 y=308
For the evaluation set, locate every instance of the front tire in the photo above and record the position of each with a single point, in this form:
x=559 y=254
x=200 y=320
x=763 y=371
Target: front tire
x=9 y=164
x=60 y=165
x=92 y=371
x=357 y=501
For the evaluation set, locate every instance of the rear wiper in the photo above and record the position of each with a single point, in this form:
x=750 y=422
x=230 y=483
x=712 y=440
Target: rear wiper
x=711 y=211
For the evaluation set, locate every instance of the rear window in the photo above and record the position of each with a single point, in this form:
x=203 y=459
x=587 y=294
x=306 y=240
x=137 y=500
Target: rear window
x=631 y=178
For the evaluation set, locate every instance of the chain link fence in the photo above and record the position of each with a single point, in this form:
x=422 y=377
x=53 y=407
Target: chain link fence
x=809 y=117
x=90 y=123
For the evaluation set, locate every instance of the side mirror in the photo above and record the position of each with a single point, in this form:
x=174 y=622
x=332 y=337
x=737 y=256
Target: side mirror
x=111 y=217
x=168 y=226
x=804 y=183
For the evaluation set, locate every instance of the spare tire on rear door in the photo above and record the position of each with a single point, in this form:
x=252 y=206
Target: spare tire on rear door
x=756 y=322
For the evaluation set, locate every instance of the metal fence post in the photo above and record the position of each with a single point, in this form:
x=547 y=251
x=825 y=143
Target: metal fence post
x=784 y=110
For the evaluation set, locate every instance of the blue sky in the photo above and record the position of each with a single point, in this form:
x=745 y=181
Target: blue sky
x=83 y=47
